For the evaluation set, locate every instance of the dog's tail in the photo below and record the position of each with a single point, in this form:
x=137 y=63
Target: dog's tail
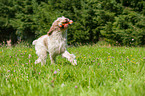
x=34 y=42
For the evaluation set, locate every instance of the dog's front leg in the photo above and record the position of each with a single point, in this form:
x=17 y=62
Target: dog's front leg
x=70 y=57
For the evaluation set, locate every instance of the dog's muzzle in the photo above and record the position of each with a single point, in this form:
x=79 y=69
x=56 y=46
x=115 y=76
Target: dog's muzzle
x=65 y=25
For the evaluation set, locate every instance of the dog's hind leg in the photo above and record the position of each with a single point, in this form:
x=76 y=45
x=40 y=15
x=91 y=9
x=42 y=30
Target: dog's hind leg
x=42 y=54
x=43 y=57
x=38 y=61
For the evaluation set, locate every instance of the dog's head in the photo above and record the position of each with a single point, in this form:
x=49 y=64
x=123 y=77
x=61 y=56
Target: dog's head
x=61 y=23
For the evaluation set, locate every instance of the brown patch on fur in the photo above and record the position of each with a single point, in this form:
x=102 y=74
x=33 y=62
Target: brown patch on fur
x=53 y=27
x=50 y=31
x=45 y=42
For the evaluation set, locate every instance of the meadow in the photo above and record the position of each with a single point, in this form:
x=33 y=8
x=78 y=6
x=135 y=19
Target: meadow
x=101 y=71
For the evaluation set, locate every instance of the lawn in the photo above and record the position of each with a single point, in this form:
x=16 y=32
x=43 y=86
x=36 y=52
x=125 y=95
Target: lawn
x=101 y=71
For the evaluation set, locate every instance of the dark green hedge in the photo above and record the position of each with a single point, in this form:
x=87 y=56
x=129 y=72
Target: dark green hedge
x=119 y=22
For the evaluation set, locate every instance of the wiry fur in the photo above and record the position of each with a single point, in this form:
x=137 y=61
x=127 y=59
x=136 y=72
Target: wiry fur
x=54 y=43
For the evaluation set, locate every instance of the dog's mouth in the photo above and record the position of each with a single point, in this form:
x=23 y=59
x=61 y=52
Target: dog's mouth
x=65 y=24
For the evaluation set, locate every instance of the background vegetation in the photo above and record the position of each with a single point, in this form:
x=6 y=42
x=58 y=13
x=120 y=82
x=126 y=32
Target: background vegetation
x=120 y=22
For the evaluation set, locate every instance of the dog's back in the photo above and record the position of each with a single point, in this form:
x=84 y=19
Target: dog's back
x=34 y=42
x=41 y=42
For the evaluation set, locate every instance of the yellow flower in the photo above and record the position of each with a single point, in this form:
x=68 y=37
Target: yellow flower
x=131 y=55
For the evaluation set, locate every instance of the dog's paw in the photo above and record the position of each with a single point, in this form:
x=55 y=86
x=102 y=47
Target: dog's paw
x=35 y=62
x=74 y=62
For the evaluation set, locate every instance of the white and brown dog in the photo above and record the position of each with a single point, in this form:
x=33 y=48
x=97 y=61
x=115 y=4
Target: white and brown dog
x=54 y=43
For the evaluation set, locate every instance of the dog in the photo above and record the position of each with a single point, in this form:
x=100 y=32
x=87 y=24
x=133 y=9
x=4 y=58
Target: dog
x=54 y=43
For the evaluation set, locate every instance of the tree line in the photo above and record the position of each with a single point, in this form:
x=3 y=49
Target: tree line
x=119 y=22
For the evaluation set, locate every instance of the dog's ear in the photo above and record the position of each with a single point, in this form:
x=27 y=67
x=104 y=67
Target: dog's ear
x=50 y=31
x=62 y=17
x=53 y=27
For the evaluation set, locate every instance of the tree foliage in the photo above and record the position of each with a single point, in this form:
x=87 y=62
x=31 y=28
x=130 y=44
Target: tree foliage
x=117 y=21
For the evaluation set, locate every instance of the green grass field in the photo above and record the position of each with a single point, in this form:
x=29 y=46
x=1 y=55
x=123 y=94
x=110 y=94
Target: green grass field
x=101 y=71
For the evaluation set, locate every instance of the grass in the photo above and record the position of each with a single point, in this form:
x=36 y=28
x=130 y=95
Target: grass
x=101 y=71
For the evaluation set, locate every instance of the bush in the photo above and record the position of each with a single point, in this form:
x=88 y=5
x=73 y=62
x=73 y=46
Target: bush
x=114 y=20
